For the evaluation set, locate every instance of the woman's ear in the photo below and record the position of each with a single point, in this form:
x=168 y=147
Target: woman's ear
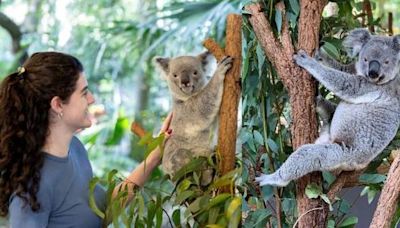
x=56 y=105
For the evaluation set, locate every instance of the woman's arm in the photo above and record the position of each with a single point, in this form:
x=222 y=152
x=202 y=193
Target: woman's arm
x=142 y=172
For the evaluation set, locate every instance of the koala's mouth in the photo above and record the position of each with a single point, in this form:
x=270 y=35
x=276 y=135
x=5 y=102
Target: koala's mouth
x=377 y=80
x=187 y=89
x=380 y=78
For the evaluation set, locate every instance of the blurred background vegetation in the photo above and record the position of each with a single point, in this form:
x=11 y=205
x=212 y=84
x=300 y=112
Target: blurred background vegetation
x=116 y=41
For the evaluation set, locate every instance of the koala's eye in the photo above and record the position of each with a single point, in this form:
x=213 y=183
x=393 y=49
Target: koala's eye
x=175 y=75
x=387 y=62
x=195 y=72
x=365 y=59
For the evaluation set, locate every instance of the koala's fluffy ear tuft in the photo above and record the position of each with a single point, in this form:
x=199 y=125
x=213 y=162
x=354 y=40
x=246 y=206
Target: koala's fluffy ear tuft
x=356 y=39
x=396 y=42
x=203 y=57
x=162 y=63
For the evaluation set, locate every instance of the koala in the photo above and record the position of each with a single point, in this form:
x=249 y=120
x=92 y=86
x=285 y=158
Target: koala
x=325 y=108
x=195 y=106
x=366 y=119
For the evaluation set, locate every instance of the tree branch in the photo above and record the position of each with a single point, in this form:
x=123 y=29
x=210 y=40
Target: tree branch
x=343 y=181
x=14 y=31
x=389 y=199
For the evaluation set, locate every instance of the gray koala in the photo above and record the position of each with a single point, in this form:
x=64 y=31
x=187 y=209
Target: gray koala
x=195 y=107
x=326 y=108
x=366 y=119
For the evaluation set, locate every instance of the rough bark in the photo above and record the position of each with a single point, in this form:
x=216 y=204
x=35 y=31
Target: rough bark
x=389 y=199
x=301 y=88
x=230 y=99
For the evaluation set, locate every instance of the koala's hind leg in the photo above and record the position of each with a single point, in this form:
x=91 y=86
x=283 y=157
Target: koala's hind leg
x=325 y=110
x=306 y=159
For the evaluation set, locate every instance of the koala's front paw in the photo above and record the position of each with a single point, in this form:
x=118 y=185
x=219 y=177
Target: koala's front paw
x=302 y=58
x=271 y=179
x=224 y=65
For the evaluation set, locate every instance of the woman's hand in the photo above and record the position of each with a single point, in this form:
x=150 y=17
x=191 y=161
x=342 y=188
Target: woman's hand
x=155 y=155
x=165 y=126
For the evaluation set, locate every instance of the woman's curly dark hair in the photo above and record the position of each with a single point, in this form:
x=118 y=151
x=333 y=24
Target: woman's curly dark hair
x=24 y=121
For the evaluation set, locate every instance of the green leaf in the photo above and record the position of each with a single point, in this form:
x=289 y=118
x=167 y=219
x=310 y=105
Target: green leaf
x=159 y=216
x=233 y=212
x=183 y=185
x=331 y=224
x=349 y=221
x=176 y=217
x=92 y=202
x=272 y=145
x=260 y=59
x=328 y=177
x=199 y=203
x=325 y=198
x=225 y=180
x=213 y=215
x=331 y=50
x=214 y=226
x=278 y=20
x=235 y=204
x=372 y=178
x=294 y=4
x=313 y=191
x=221 y=198
x=182 y=197
x=121 y=126
x=371 y=195
x=258 y=137
x=195 y=164
x=145 y=139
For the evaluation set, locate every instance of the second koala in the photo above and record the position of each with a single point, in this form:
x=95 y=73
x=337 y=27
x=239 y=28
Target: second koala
x=195 y=106
x=366 y=119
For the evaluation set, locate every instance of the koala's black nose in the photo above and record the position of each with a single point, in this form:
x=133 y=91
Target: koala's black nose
x=374 y=67
x=185 y=82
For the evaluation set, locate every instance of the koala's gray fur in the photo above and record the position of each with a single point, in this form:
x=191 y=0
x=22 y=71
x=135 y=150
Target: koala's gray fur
x=366 y=119
x=324 y=59
x=195 y=106
x=325 y=108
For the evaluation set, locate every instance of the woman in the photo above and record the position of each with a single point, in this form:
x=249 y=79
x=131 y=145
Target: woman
x=44 y=168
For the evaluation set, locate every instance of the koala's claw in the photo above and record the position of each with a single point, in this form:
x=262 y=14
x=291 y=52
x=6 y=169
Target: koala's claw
x=225 y=64
x=301 y=58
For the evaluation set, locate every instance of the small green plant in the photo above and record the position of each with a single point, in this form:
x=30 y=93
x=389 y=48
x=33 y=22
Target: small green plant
x=183 y=201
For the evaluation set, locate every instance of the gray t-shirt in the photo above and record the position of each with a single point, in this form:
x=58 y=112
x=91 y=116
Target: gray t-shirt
x=63 y=194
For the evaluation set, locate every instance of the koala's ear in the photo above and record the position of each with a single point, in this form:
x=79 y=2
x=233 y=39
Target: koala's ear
x=203 y=57
x=396 y=43
x=356 y=39
x=162 y=63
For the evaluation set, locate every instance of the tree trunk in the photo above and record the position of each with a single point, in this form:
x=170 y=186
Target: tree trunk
x=389 y=199
x=230 y=99
x=301 y=88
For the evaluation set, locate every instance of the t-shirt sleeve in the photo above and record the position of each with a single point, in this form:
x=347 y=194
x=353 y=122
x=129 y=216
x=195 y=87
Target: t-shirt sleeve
x=21 y=214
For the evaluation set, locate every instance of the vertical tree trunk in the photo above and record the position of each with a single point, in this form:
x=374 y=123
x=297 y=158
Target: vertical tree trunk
x=301 y=88
x=389 y=199
x=230 y=99
x=305 y=128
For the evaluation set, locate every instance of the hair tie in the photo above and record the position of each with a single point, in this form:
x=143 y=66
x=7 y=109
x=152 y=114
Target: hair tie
x=20 y=70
